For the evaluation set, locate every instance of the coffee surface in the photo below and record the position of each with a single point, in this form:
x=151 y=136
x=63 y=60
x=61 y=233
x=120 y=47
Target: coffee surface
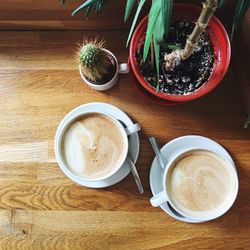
x=199 y=181
x=93 y=146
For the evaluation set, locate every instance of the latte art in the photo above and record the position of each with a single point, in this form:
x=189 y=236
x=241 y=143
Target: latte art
x=93 y=146
x=199 y=182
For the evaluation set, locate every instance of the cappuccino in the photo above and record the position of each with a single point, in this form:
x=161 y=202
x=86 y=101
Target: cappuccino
x=200 y=182
x=94 y=146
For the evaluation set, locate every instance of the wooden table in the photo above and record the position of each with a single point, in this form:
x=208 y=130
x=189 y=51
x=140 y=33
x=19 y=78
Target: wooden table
x=40 y=208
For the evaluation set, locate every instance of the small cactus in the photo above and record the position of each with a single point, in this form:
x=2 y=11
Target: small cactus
x=95 y=63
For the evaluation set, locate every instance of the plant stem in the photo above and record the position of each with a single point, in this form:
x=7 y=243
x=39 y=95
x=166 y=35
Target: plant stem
x=175 y=56
x=152 y=55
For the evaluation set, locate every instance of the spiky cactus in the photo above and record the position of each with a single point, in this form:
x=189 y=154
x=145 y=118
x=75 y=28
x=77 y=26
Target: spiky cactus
x=94 y=62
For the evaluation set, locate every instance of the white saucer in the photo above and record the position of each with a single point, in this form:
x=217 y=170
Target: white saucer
x=134 y=145
x=169 y=150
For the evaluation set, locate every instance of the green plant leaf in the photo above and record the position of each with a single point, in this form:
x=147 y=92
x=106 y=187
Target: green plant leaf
x=173 y=46
x=84 y=6
x=100 y=6
x=95 y=6
x=129 y=7
x=166 y=12
x=140 y=5
x=241 y=9
x=159 y=30
x=221 y=3
x=88 y=10
x=153 y=14
x=247 y=123
x=157 y=61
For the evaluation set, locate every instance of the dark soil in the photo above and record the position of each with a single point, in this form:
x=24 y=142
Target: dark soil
x=189 y=75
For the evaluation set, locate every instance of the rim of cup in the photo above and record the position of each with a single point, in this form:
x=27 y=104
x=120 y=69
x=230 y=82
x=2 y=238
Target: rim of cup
x=62 y=128
x=221 y=210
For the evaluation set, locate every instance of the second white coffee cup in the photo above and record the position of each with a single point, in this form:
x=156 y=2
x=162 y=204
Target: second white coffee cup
x=164 y=196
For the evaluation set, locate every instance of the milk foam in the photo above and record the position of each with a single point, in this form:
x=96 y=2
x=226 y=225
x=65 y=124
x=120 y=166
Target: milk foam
x=200 y=182
x=93 y=146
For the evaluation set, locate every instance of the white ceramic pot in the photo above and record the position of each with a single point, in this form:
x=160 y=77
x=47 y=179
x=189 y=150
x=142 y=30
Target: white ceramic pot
x=120 y=69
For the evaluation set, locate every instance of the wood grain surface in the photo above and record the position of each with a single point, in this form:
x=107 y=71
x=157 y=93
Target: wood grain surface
x=40 y=208
x=51 y=15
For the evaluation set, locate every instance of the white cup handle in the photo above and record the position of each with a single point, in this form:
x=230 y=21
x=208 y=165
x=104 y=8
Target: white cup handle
x=133 y=129
x=123 y=68
x=158 y=199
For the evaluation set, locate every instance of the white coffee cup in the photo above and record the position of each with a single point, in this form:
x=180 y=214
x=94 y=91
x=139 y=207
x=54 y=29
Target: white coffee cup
x=58 y=144
x=120 y=69
x=163 y=196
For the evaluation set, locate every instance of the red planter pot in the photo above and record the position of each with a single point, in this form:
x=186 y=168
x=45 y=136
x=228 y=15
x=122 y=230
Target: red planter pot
x=219 y=40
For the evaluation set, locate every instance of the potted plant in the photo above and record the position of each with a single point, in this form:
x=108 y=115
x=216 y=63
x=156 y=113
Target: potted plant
x=177 y=60
x=98 y=67
x=184 y=73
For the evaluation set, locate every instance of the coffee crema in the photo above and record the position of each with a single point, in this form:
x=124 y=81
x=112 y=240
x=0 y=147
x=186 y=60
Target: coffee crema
x=199 y=181
x=93 y=146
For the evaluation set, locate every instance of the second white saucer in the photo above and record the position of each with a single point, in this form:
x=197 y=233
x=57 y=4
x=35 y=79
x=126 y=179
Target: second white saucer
x=170 y=149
